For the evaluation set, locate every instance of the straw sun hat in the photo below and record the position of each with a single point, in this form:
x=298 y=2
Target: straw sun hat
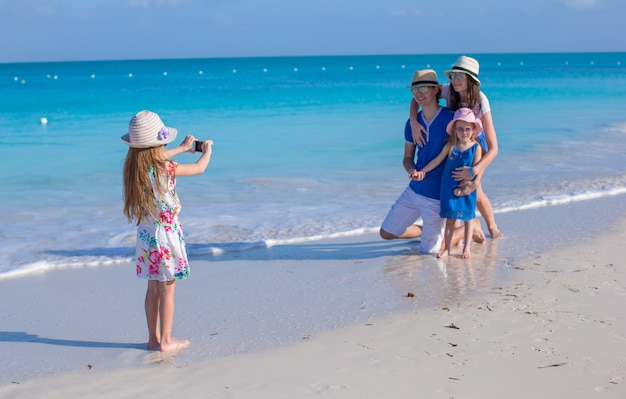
x=465 y=115
x=424 y=77
x=467 y=65
x=146 y=130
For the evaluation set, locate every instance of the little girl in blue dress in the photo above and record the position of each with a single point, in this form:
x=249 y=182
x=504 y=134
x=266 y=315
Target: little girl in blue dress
x=462 y=149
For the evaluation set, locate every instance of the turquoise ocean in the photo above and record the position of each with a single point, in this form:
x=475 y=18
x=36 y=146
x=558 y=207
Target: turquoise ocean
x=305 y=147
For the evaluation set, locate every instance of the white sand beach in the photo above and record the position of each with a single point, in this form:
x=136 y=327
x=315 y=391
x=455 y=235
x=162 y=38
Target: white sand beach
x=551 y=326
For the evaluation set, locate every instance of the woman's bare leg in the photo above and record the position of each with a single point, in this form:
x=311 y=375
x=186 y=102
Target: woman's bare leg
x=484 y=206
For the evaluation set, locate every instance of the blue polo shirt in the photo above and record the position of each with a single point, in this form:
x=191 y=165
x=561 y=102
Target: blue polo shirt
x=436 y=138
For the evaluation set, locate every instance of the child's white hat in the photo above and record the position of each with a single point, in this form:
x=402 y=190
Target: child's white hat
x=146 y=130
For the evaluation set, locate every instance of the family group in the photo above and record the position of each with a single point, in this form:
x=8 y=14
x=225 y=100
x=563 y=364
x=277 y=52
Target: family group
x=446 y=152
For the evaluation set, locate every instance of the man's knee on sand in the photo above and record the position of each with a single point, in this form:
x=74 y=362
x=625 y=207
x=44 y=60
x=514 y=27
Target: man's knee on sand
x=386 y=236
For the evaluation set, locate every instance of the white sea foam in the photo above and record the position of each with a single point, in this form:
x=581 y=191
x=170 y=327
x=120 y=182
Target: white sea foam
x=76 y=262
x=208 y=246
x=562 y=199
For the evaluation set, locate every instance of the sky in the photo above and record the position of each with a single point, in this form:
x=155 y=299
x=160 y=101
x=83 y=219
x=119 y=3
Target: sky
x=80 y=30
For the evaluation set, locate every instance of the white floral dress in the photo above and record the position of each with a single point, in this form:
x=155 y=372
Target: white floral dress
x=161 y=253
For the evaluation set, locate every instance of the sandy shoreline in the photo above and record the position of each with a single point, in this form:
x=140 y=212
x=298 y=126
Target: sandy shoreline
x=547 y=326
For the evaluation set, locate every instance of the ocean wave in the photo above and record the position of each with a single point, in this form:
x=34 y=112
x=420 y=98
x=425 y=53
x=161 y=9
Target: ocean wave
x=597 y=190
x=76 y=262
x=619 y=127
x=215 y=240
x=193 y=250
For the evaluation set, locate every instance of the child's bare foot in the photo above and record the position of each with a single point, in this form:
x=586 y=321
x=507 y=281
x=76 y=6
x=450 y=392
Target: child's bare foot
x=153 y=346
x=153 y=343
x=466 y=254
x=442 y=254
x=174 y=344
x=495 y=233
x=477 y=232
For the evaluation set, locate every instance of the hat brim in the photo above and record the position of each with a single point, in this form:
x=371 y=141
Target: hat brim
x=173 y=133
x=477 y=124
x=418 y=84
x=468 y=73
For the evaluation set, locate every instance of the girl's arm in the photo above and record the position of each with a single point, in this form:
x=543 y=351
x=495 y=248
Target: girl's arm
x=437 y=160
x=190 y=169
x=492 y=146
x=417 y=130
x=477 y=155
x=185 y=146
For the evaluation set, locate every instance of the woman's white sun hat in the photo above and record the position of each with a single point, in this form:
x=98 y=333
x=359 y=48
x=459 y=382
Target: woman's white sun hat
x=467 y=65
x=146 y=130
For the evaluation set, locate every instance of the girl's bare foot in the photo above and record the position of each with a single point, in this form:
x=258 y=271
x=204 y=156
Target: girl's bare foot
x=153 y=347
x=442 y=254
x=174 y=344
x=466 y=254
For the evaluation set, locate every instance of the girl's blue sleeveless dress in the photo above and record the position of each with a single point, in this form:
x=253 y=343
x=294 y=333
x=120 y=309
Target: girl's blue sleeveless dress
x=453 y=207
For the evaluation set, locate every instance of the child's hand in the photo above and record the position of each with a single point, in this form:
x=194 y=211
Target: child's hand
x=207 y=146
x=414 y=174
x=187 y=144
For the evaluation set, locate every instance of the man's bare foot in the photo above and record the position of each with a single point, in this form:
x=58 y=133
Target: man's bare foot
x=495 y=233
x=477 y=232
x=174 y=344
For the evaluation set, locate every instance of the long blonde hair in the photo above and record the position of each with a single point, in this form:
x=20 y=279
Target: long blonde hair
x=139 y=199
